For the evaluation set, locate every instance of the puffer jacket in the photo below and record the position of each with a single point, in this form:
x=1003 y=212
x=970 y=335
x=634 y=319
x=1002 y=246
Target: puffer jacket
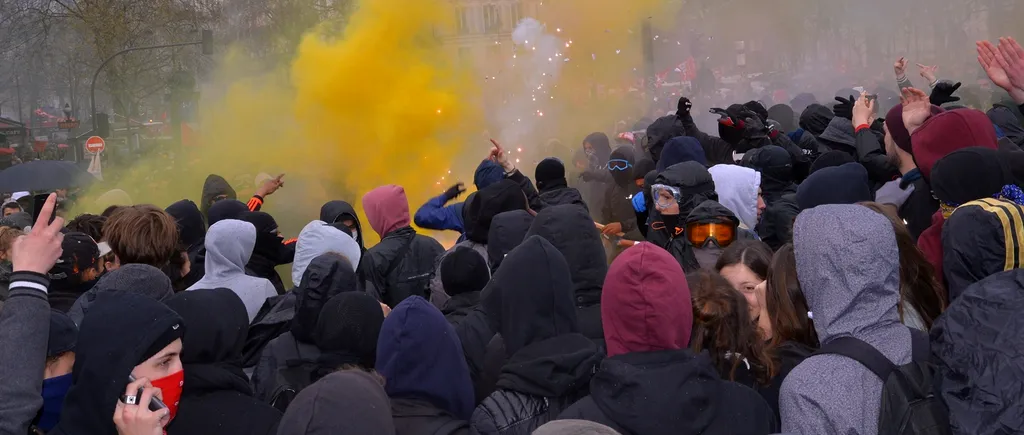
x=550 y=363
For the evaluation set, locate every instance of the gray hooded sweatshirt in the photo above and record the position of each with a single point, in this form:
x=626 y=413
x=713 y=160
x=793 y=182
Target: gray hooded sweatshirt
x=229 y=245
x=318 y=238
x=848 y=265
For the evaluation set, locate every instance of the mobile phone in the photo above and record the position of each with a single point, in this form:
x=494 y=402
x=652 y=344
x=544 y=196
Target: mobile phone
x=154 y=405
x=871 y=97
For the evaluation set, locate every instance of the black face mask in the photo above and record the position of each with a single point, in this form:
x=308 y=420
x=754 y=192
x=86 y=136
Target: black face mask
x=671 y=222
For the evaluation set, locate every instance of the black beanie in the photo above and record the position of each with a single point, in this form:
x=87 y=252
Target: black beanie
x=463 y=271
x=549 y=171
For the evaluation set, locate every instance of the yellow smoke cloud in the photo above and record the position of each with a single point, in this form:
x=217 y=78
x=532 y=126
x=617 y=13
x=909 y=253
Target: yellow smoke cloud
x=381 y=103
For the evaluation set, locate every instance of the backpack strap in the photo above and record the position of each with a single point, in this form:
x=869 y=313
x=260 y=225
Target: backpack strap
x=402 y=253
x=861 y=352
x=920 y=346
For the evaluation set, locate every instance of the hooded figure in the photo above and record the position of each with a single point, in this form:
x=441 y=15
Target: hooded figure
x=846 y=255
x=553 y=187
x=695 y=185
x=346 y=333
x=980 y=239
x=681 y=149
x=507 y=231
x=978 y=379
x=215 y=189
x=19 y=220
x=651 y=382
x=465 y=275
x=336 y=212
x=270 y=250
x=570 y=230
x=500 y=197
x=599 y=150
x=351 y=402
x=434 y=398
x=192 y=235
x=229 y=245
x=839 y=136
x=435 y=215
x=776 y=168
x=705 y=256
x=814 y=120
x=617 y=204
x=784 y=115
x=135 y=278
x=121 y=331
x=846 y=184
x=326 y=276
x=550 y=363
x=318 y=238
x=738 y=190
x=402 y=264
x=216 y=397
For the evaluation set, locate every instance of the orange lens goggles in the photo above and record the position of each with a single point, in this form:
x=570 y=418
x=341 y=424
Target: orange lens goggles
x=699 y=233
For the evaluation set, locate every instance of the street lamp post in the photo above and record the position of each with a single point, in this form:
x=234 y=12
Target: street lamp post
x=206 y=42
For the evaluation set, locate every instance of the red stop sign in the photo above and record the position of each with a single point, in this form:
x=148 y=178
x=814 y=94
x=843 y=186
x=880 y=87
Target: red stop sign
x=95 y=144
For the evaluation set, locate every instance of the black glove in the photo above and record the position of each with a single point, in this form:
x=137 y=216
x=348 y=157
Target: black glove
x=722 y=114
x=454 y=191
x=845 y=107
x=684 y=106
x=943 y=92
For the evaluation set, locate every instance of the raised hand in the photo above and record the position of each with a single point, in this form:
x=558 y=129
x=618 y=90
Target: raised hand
x=943 y=93
x=499 y=156
x=845 y=107
x=1013 y=54
x=928 y=72
x=864 y=110
x=916 y=108
x=39 y=250
x=900 y=67
x=997 y=66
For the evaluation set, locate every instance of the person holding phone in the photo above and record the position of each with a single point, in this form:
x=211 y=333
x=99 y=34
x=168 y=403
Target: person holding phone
x=128 y=355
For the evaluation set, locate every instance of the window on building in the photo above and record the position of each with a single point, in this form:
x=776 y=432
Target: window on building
x=462 y=20
x=492 y=19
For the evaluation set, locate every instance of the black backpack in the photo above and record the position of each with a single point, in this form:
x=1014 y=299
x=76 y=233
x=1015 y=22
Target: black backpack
x=909 y=403
x=407 y=276
x=294 y=375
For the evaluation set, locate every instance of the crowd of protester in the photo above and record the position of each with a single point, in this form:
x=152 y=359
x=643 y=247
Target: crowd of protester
x=841 y=270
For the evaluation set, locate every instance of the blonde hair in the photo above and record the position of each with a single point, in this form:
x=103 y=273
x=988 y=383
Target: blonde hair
x=7 y=237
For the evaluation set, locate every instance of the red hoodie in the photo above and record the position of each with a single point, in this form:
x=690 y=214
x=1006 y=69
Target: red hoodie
x=645 y=302
x=386 y=208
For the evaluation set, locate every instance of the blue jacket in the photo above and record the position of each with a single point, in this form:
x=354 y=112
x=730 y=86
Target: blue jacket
x=421 y=357
x=435 y=215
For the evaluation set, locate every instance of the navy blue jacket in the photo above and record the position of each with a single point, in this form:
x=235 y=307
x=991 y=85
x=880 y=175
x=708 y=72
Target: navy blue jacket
x=435 y=215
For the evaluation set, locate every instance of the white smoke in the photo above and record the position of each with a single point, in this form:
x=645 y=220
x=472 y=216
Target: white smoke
x=537 y=62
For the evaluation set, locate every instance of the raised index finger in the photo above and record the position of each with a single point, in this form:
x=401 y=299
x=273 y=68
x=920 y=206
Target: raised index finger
x=496 y=144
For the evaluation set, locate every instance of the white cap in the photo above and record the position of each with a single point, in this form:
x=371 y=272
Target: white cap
x=18 y=195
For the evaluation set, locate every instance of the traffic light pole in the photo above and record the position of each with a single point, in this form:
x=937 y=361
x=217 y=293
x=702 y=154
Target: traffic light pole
x=205 y=42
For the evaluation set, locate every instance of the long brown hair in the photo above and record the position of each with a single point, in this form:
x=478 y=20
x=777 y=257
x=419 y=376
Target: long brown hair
x=785 y=302
x=722 y=325
x=918 y=284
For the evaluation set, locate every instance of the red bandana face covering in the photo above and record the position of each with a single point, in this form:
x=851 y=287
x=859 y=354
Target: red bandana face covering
x=170 y=388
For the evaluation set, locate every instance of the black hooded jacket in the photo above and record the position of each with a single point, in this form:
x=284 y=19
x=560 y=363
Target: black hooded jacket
x=192 y=236
x=550 y=363
x=815 y=119
x=114 y=337
x=505 y=195
x=327 y=275
x=215 y=187
x=718 y=151
x=975 y=345
x=695 y=186
x=569 y=229
x=671 y=392
x=270 y=250
x=336 y=211
x=618 y=205
x=216 y=397
x=557 y=193
x=507 y=231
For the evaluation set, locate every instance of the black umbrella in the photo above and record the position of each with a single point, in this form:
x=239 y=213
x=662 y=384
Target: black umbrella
x=43 y=175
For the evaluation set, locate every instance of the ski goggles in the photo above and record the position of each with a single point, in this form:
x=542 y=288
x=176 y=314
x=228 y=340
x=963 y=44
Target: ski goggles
x=619 y=165
x=664 y=195
x=701 y=233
